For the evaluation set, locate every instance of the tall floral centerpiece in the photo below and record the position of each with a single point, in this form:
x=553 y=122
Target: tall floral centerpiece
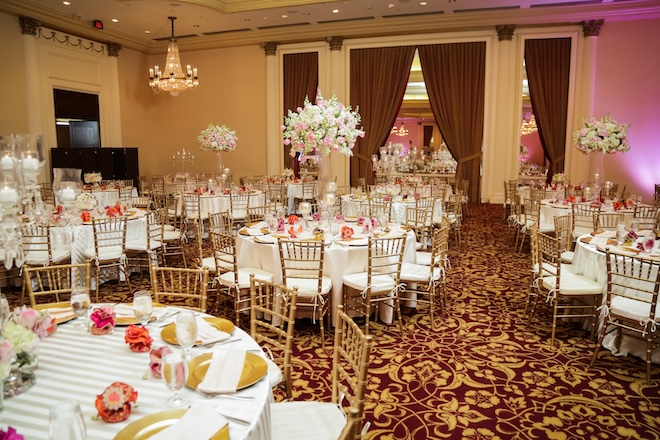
x=217 y=138
x=599 y=137
x=320 y=129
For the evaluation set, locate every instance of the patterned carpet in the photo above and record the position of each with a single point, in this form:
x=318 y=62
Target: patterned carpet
x=485 y=374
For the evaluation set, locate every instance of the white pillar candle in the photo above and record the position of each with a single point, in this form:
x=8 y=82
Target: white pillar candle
x=30 y=164
x=6 y=163
x=68 y=194
x=8 y=195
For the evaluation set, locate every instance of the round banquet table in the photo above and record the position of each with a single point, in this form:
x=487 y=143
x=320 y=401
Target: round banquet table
x=74 y=364
x=339 y=260
x=551 y=209
x=590 y=262
x=352 y=204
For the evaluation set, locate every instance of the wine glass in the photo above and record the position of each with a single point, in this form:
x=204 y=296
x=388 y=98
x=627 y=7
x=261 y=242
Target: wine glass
x=382 y=221
x=66 y=421
x=142 y=306
x=80 y=304
x=174 y=370
x=186 y=331
x=649 y=242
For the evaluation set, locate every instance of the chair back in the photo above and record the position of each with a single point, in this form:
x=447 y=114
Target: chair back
x=173 y=212
x=350 y=363
x=549 y=256
x=418 y=220
x=186 y=287
x=224 y=253
x=191 y=206
x=385 y=256
x=154 y=228
x=646 y=216
x=276 y=193
x=47 y=194
x=142 y=202
x=440 y=245
x=302 y=260
x=221 y=222
x=109 y=238
x=50 y=284
x=36 y=244
x=239 y=205
x=564 y=232
x=379 y=205
x=257 y=214
x=634 y=281
x=274 y=303
x=583 y=217
x=607 y=221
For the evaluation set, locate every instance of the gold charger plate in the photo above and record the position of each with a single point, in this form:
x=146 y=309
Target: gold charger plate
x=264 y=231
x=59 y=305
x=169 y=331
x=132 y=320
x=149 y=425
x=254 y=369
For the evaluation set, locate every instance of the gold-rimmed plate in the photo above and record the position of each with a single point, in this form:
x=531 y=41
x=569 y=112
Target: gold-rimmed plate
x=254 y=369
x=61 y=311
x=264 y=231
x=128 y=320
x=169 y=331
x=148 y=426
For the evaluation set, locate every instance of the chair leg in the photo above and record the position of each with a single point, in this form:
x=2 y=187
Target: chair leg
x=321 y=317
x=397 y=311
x=599 y=344
x=555 y=310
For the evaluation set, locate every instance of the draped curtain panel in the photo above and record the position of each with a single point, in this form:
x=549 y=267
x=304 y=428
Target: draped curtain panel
x=455 y=76
x=301 y=79
x=548 y=64
x=378 y=82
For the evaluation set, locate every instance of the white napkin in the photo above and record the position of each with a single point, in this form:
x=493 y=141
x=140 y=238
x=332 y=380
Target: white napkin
x=268 y=239
x=59 y=312
x=126 y=311
x=224 y=372
x=598 y=241
x=201 y=420
x=209 y=334
x=607 y=234
x=253 y=231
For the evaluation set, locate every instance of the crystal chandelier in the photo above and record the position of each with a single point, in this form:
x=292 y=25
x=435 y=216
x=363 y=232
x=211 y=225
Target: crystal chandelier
x=528 y=127
x=401 y=131
x=173 y=79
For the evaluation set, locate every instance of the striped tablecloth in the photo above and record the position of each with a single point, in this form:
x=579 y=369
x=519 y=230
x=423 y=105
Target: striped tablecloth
x=74 y=364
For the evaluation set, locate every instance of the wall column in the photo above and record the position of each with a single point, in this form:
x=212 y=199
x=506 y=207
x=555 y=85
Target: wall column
x=340 y=163
x=30 y=29
x=273 y=114
x=112 y=134
x=579 y=162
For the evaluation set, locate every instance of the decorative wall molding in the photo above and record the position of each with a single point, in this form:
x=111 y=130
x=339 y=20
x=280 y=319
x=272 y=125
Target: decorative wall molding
x=71 y=41
x=505 y=32
x=591 y=28
x=335 y=43
x=270 y=48
x=29 y=26
x=113 y=49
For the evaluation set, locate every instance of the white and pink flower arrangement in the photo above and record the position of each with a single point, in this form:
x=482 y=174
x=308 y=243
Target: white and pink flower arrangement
x=326 y=126
x=604 y=134
x=22 y=333
x=86 y=201
x=217 y=138
x=92 y=178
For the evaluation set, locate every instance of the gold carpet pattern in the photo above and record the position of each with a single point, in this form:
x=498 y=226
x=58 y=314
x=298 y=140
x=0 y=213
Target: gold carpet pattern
x=485 y=374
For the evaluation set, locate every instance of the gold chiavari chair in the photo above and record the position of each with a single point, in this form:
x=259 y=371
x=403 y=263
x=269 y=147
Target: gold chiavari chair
x=173 y=231
x=142 y=202
x=302 y=267
x=631 y=305
x=607 y=221
x=454 y=211
x=47 y=194
x=220 y=222
x=272 y=319
x=46 y=284
x=296 y=420
x=240 y=202
x=379 y=284
x=257 y=214
x=417 y=219
x=646 y=216
x=308 y=194
x=564 y=233
x=378 y=206
x=192 y=210
x=183 y=287
x=146 y=251
x=583 y=218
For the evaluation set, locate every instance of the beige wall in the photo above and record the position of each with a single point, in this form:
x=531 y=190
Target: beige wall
x=231 y=92
x=13 y=97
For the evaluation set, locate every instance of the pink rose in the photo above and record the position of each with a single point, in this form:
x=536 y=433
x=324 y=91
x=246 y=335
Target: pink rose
x=26 y=317
x=6 y=351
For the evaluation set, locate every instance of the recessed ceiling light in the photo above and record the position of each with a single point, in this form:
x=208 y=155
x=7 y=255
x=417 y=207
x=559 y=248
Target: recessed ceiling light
x=147 y=32
x=307 y=13
x=391 y=5
x=66 y=3
x=284 y=16
x=247 y=19
x=264 y=18
x=423 y=3
x=114 y=20
x=334 y=11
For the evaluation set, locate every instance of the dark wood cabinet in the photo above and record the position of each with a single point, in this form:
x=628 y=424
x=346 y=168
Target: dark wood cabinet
x=112 y=163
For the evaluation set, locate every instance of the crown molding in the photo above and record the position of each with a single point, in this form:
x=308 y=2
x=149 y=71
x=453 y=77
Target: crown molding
x=433 y=23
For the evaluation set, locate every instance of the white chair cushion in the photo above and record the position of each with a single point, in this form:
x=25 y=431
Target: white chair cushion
x=423 y=258
x=168 y=228
x=227 y=278
x=379 y=283
x=171 y=235
x=567 y=257
x=306 y=420
x=571 y=284
x=631 y=309
x=210 y=263
x=106 y=254
x=418 y=245
x=141 y=245
x=418 y=273
x=40 y=258
x=309 y=287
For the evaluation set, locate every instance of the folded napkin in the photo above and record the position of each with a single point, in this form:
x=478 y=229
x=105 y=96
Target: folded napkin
x=201 y=420
x=606 y=234
x=267 y=239
x=125 y=311
x=618 y=250
x=209 y=334
x=598 y=241
x=59 y=312
x=224 y=372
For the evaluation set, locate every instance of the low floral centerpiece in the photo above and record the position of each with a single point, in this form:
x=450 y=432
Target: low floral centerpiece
x=604 y=134
x=92 y=178
x=86 y=201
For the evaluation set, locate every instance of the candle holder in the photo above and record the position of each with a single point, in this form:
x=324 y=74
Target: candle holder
x=183 y=157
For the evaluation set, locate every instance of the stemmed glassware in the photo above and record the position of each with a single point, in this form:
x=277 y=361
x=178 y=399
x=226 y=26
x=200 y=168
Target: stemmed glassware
x=186 y=331
x=66 y=421
x=80 y=304
x=142 y=306
x=175 y=373
x=648 y=242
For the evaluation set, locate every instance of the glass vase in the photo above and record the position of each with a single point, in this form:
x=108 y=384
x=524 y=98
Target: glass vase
x=326 y=184
x=596 y=172
x=218 y=163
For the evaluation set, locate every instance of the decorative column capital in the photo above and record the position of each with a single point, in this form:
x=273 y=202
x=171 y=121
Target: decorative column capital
x=113 y=49
x=29 y=26
x=335 y=43
x=591 y=28
x=505 y=32
x=270 y=48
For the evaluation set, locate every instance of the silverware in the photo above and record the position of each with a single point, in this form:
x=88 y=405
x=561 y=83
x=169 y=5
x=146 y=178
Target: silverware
x=226 y=396
x=233 y=418
x=211 y=344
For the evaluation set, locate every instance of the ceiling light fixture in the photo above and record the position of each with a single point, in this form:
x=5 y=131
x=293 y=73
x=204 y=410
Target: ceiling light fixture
x=173 y=79
x=528 y=127
x=401 y=131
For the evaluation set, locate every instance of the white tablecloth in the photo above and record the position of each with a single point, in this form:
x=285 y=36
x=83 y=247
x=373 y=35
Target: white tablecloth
x=351 y=207
x=551 y=210
x=74 y=364
x=590 y=262
x=109 y=197
x=339 y=261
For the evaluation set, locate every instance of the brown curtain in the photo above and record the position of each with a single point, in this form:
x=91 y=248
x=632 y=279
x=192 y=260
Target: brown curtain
x=301 y=78
x=378 y=82
x=548 y=64
x=455 y=81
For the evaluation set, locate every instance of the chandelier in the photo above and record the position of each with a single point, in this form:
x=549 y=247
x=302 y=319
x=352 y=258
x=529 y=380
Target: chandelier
x=173 y=79
x=401 y=131
x=528 y=127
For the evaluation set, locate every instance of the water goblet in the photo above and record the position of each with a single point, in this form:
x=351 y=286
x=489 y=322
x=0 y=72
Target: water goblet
x=649 y=242
x=66 y=421
x=80 y=304
x=142 y=306
x=174 y=371
x=186 y=331
x=621 y=233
